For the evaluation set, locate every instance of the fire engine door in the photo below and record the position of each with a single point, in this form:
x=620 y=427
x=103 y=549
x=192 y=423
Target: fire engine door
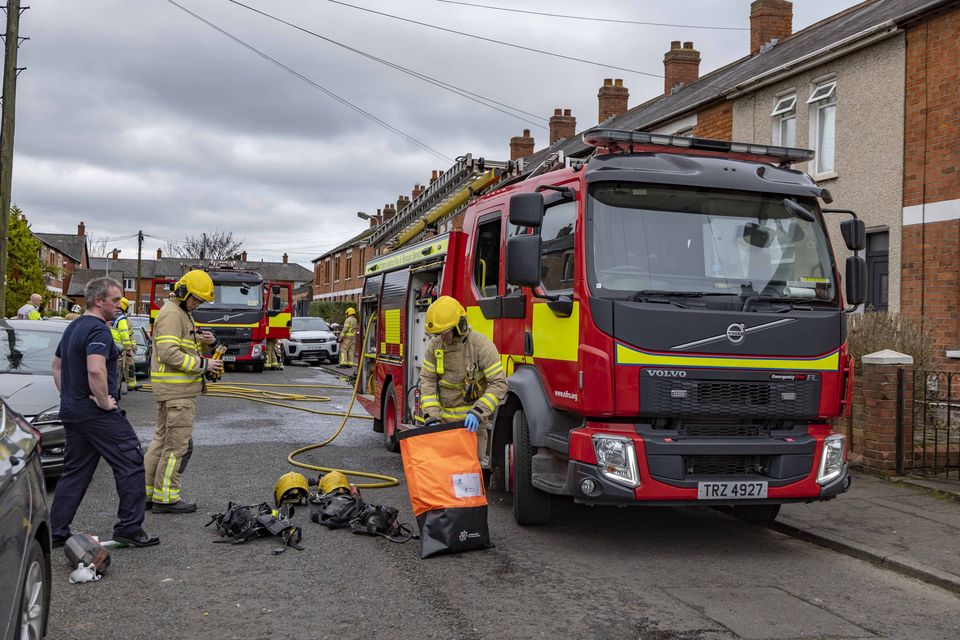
x=279 y=310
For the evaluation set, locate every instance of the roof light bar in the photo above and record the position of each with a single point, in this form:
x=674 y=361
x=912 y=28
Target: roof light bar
x=618 y=140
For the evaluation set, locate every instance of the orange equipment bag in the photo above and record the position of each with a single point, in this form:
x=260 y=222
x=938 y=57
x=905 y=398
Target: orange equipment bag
x=445 y=483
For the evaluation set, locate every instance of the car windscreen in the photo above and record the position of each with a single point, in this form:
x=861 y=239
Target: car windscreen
x=309 y=324
x=27 y=351
x=703 y=242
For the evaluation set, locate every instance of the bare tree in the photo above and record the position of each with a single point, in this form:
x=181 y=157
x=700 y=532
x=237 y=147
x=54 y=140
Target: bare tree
x=97 y=244
x=219 y=245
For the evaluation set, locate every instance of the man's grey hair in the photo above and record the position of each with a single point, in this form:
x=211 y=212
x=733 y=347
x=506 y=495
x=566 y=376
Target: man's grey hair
x=99 y=288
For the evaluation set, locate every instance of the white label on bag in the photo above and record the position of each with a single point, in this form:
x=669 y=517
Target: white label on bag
x=466 y=485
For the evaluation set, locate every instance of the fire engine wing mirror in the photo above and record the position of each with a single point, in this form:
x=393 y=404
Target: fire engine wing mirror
x=526 y=210
x=275 y=290
x=856 y=281
x=523 y=259
x=854 y=234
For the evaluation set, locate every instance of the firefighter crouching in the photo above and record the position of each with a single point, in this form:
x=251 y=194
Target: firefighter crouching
x=348 y=339
x=462 y=377
x=177 y=374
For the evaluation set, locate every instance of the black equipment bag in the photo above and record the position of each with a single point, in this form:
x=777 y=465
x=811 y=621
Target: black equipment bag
x=240 y=523
x=335 y=509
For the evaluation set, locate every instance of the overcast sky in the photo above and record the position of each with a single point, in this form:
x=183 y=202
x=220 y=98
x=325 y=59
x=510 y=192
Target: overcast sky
x=132 y=114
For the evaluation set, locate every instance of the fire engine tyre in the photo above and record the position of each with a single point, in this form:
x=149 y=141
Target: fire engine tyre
x=757 y=513
x=31 y=620
x=530 y=505
x=258 y=367
x=390 y=440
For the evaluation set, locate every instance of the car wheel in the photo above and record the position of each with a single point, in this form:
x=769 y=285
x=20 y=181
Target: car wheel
x=390 y=440
x=35 y=595
x=287 y=360
x=530 y=505
x=757 y=513
x=258 y=367
x=333 y=360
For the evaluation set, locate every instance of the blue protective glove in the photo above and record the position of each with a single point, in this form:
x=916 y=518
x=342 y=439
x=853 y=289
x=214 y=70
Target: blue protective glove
x=471 y=422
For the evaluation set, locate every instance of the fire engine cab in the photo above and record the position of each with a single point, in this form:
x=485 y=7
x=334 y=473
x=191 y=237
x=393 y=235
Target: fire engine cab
x=669 y=316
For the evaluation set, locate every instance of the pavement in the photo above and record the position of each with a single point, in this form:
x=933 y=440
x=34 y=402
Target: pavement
x=904 y=524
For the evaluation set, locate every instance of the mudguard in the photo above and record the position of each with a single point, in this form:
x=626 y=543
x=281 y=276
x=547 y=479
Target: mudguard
x=542 y=418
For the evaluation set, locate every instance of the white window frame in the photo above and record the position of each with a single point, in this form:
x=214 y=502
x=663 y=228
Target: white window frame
x=785 y=108
x=132 y=282
x=822 y=96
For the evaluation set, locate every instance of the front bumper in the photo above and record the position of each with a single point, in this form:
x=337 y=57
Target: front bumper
x=665 y=476
x=308 y=350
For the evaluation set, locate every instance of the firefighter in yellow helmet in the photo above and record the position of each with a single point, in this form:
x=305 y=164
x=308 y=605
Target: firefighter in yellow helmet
x=462 y=377
x=348 y=339
x=123 y=336
x=177 y=375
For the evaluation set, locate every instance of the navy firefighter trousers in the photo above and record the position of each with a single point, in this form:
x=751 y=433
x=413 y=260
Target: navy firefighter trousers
x=110 y=436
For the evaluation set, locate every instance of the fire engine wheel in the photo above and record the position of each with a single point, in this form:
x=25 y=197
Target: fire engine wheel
x=258 y=367
x=757 y=513
x=390 y=440
x=530 y=505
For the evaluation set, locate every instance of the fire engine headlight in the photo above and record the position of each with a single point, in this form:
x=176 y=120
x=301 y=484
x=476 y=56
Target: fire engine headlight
x=617 y=459
x=831 y=461
x=257 y=350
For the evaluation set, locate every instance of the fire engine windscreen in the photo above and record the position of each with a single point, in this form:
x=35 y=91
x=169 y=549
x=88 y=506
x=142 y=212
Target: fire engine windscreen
x=696 y=241
x=236 y=294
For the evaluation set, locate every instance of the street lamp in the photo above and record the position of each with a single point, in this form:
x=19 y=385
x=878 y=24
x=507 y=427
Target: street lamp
x=365 y=216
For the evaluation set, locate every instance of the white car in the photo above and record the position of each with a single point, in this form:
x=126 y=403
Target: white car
x=310 y=339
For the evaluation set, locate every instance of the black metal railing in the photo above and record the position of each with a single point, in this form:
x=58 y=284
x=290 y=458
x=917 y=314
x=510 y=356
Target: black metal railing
x=928 y=423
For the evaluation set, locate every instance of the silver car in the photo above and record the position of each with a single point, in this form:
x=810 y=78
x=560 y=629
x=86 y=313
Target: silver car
x=310 y=339
x=27 y=348
x=24 y=531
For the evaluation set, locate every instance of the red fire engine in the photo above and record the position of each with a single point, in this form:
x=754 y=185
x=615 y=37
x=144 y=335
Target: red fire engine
x=245 y=312
x=670 y=318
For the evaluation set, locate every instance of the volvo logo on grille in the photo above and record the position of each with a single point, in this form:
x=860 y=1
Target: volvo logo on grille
x=735 y=333
x=666 y=373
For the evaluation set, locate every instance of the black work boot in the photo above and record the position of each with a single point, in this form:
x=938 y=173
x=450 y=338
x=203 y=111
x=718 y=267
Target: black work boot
x=180 y=506
x=138 y=538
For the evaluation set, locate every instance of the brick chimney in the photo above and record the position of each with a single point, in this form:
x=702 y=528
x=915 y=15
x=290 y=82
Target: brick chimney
x=681 y=66
x=769 y=20
x=402 y=202
x=81 y=230
x=159 y=253
x=562 y=125
x=243 y=256
x=417 y=190
x=389 y=211
x=521 y=146
x=116 y=254
x=435 y=176
x=285 y=258
x=612 y=98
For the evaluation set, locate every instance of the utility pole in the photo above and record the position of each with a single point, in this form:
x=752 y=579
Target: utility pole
x=139 y=259
x=203 y=251
x=11 y=44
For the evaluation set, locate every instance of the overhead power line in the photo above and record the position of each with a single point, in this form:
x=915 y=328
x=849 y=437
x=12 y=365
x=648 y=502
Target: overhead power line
x=508 y=44
x=594 y=19
x=315 y=85
x=470 y=95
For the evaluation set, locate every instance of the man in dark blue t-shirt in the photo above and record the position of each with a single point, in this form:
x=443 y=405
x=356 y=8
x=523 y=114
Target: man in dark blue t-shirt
x=85 y=370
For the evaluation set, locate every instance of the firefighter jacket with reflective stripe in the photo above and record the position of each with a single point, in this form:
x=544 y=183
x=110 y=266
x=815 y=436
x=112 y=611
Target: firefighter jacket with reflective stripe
x=349 y=328
x=461 y=377
x=122 y=334
x=177 y=366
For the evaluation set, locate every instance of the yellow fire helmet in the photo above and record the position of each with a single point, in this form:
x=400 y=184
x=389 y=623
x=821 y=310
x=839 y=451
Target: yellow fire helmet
x=445 y=313
x=351 y=311
x=332 y=481
x=197 y=283
x=291 y=488
x=124 y=304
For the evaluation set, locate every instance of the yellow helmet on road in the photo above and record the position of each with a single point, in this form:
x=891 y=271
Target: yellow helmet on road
x=332 y=481
x=197 y=283
x=291 y=488
x=351 y=311
x=446 y=313
x=124 y=304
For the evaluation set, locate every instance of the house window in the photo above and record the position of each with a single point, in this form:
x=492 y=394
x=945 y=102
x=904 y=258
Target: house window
x=486 y=261
x=336 y=269
x=823 y=114
x=129 y=284
x=878 y=270
x=349 y=271
x=785 y=121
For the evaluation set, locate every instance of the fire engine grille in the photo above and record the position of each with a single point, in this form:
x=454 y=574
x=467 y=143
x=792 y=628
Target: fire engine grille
x=721 y=430
x=726 y=465
x=740 y=399
x=232 y=334
x=315 y=340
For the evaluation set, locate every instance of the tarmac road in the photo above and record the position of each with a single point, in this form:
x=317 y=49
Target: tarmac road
x=651 y=574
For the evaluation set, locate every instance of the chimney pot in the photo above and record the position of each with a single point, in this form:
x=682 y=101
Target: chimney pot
x=681 y=66
x=769 y=20
x=607 y=82
x=612 y=99
x=558 y=112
